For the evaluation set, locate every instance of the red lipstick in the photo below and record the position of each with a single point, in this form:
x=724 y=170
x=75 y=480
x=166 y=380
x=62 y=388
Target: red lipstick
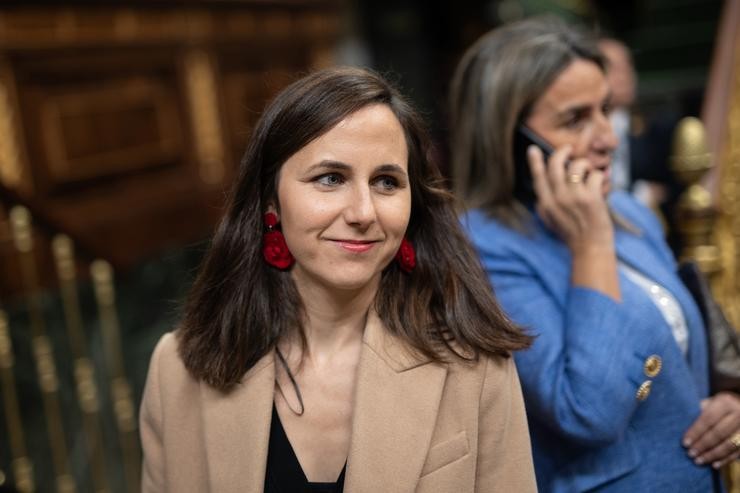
x=356 y=246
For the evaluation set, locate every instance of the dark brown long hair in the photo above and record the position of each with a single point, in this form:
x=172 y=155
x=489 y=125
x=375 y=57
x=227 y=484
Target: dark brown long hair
x=239 y=307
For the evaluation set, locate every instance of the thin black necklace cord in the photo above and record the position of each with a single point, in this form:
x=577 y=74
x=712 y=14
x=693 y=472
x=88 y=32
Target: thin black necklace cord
x=293 y=382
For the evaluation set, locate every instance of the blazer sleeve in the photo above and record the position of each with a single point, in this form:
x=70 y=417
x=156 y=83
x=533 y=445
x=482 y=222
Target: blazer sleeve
x=581 y=375
x=150 y=425
x=504 y=460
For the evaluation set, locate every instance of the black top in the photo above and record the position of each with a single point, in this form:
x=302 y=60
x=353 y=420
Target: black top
x=284 y=473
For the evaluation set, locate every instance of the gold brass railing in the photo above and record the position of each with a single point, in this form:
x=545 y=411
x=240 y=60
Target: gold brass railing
x=48 y=381
x=84 y=371
x=23 y=475
x=121 y=394
x=21 y=464
x=703 y=228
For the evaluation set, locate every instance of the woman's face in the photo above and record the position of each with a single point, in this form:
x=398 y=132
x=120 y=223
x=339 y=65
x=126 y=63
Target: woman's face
x=574 y=111
x=345 y=201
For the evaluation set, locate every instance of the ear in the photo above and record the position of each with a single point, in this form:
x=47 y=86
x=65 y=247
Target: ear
x=272 y=208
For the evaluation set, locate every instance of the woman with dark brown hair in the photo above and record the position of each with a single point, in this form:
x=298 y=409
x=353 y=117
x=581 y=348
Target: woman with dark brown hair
x=341 y=334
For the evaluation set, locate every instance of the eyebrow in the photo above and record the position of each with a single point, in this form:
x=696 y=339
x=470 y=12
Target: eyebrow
x=581 y=107
x=330 y=165
x=390 y=168
x=572 y=110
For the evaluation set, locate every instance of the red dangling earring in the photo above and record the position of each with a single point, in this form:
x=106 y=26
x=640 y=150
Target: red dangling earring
x=406 y=256
x=274 y=248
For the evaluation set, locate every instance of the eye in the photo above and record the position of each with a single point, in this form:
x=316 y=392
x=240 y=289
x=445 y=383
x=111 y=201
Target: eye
x=607 y=109
x=330 y=179
x=574 y=121
x=387 y=183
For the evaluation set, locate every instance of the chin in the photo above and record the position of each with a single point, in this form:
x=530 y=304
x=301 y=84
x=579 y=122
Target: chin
x=348 y=279
x=350 y=284
x=606 y=189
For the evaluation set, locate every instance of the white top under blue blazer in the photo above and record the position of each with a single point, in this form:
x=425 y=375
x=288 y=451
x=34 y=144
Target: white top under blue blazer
x=609 y=394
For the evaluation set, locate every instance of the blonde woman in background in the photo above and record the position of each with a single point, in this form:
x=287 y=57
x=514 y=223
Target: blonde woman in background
x=616 y=383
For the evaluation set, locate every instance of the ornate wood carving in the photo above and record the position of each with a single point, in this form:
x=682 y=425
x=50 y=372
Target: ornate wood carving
x=119 y=126
x=134 y=121
x=125 y=123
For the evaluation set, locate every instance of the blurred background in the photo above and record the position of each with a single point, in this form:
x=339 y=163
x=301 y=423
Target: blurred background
x=121 y=127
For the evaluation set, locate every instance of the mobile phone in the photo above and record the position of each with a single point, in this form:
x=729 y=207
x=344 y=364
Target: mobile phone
x=523 y=186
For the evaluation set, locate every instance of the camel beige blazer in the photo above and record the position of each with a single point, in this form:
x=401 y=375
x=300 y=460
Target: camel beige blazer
x=418 y=426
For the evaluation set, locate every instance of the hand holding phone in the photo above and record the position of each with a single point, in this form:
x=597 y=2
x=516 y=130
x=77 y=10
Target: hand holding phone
x=559 y=211
x=523 y=138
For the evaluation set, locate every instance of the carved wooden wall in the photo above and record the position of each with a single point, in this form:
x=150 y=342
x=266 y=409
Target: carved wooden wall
x=120 y=127
x=124 y=125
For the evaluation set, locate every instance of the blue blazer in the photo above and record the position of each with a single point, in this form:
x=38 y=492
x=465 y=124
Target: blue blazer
x=592 y=355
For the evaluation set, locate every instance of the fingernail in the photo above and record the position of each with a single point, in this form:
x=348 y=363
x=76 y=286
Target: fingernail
x=687 y=442
x=699 y=461
x=692 y=453
x=716 y=465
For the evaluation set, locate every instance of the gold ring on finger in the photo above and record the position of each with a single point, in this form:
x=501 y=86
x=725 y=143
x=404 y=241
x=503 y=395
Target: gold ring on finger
x=735 y=440
x=575 y=178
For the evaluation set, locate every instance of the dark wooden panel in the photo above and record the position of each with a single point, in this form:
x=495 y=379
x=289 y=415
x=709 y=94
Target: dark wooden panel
x=138 y=215
x=251 y=77
x=126 y=125
x=246 y=93
x=100 y=114
x=133 y=119
x=37 y=28
x=127 y=121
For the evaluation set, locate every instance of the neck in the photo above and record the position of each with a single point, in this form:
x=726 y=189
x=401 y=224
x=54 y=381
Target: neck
x=335 y=319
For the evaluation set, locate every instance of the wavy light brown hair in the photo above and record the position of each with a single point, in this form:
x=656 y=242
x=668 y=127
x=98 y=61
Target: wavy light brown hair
x=495 y=85
x=239 y=307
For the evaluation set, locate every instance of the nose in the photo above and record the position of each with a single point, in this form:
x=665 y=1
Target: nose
x=360 y=210
x=605 y=137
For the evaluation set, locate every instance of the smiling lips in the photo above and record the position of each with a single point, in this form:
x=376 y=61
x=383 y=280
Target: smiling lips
x=356 y=246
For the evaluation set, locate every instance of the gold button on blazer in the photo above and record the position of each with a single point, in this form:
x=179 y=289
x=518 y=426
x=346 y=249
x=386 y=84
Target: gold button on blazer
x=417 y=426
x=653 y=365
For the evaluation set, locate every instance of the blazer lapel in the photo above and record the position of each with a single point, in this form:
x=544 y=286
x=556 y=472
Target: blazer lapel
x=634 y=252
x=396 y=403
x=237 y=430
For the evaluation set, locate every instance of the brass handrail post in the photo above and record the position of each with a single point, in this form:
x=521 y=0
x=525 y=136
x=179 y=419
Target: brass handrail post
x=695 y=212
x=84 y=370
x=20 y=220
x=21 y=463
x=123 y=405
